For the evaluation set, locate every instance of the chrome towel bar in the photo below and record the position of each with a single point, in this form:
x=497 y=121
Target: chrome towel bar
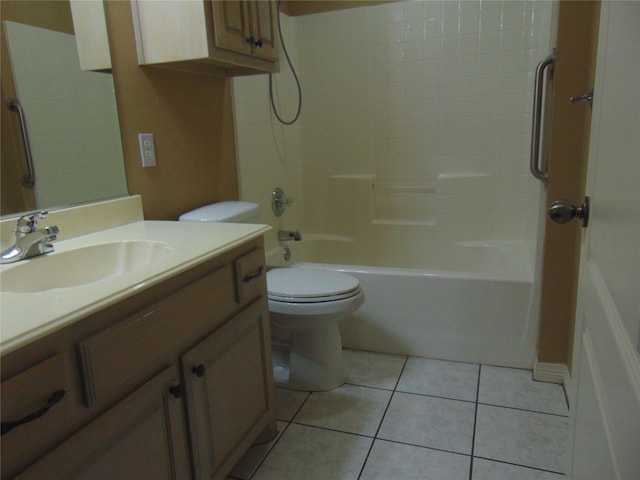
x=28 y=180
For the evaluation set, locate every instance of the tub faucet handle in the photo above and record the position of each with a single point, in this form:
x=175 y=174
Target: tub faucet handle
x=280 y=201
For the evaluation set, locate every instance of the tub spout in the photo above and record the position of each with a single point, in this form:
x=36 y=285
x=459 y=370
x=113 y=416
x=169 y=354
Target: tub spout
x=287 y=235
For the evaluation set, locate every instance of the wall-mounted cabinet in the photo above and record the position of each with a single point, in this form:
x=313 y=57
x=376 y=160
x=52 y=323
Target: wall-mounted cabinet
x=92 y=40
x=208 y=36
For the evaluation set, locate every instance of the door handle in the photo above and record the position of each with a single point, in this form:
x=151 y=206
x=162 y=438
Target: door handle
x=561 y=211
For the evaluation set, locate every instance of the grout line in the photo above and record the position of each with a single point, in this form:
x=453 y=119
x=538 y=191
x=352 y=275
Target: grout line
x=523 y=410
x=475 y=422
x=522 y=466
x=436 y=396
x=424 y=447
x=278 y=437
x=375 y=436
x=264 y=457
x=369 y=386
x=300 y=407
x=333 y=430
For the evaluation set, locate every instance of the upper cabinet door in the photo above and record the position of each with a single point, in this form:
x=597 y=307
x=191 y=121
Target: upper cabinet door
x=263 y=29
x=231 y=26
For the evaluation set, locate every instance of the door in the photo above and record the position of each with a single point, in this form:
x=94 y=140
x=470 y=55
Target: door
x=605 y=389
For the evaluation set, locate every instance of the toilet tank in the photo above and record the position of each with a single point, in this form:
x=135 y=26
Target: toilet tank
x=233 y=212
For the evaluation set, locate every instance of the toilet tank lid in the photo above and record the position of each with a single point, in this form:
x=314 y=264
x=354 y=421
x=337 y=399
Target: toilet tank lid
x=233 y=211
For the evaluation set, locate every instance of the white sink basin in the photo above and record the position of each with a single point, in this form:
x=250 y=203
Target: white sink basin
x=81 y=266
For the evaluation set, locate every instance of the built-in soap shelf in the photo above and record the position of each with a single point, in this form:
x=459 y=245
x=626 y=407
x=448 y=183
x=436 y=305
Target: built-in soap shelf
x=404 y=200
x=400 y=200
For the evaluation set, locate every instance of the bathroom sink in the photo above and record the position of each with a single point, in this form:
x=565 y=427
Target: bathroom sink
x=81 y=266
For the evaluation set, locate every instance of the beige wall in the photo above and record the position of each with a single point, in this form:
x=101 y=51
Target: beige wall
x=576 y=46
x=190 y=116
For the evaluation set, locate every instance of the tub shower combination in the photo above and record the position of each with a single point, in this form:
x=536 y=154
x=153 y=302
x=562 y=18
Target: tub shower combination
x=410 y=168
x=479 y=312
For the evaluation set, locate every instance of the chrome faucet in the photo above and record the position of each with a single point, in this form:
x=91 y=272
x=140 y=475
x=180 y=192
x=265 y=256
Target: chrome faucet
x=287 y=235
x=30 y=242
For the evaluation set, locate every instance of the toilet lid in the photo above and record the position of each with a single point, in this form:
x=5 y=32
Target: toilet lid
x=310 y=285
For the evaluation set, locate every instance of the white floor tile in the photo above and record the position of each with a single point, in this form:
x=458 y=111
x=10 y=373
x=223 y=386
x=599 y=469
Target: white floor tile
x=370 y=369
x=389 y=460
x=440 y=378
x=311 y=453
x=530 y=439
x=489 y=470
x=429 y=422
x=288 y=402
x=510 y=387
x=348 y=408
x=251 y=460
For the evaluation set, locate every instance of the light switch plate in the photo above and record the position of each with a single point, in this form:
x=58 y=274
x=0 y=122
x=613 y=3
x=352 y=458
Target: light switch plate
x=147 y=151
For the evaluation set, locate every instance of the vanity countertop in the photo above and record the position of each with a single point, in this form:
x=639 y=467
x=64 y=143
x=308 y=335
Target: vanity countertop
x=25 y=317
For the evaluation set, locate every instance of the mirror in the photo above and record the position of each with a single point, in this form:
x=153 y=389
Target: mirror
x=70 y=114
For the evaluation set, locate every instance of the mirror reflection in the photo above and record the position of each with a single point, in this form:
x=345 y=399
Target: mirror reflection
x=70 y=115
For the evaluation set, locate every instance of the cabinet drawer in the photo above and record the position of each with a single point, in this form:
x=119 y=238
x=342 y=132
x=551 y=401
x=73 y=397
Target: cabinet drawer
x=250 y=274
x=122 y=356
x=141 y=437
x=37 y=409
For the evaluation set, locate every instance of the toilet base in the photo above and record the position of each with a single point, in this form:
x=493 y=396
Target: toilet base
x=310 y=360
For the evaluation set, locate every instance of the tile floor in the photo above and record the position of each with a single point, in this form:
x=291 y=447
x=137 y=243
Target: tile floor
x=403 y=417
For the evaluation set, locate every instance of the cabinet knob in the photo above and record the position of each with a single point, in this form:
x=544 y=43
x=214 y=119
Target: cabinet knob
x=176 y=391
x=198 y=370
x=252 y=41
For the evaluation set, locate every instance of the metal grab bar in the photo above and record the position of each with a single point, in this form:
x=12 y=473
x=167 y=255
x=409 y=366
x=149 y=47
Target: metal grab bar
x=28 y=180
x=534 y=162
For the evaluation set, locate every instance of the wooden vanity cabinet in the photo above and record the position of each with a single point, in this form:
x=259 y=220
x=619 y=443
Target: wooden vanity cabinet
x=231 y=37
x=173 y=383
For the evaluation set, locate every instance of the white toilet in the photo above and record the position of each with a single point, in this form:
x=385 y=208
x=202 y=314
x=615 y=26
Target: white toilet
x=305 y=306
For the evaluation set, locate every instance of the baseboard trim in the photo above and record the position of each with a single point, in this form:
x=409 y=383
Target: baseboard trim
x=551 y=372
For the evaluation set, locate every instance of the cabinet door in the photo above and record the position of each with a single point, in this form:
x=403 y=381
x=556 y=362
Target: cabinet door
x=263 y=29
x=231 y=26
x=228 y=385
x=143 y=436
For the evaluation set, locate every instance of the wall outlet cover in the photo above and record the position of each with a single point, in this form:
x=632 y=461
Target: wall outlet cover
x=147 y=152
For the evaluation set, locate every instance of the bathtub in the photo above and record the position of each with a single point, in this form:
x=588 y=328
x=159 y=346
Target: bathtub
x=477 y=310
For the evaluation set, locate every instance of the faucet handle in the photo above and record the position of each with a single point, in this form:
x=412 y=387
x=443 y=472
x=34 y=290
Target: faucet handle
x=28 y=223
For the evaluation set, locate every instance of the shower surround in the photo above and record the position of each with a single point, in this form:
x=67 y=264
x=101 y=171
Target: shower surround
x=414 y=133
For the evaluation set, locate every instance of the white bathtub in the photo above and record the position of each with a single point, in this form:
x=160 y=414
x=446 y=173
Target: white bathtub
x=479 y=310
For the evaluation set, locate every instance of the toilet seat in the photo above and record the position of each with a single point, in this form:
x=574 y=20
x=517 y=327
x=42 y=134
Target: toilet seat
x=305 y=285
